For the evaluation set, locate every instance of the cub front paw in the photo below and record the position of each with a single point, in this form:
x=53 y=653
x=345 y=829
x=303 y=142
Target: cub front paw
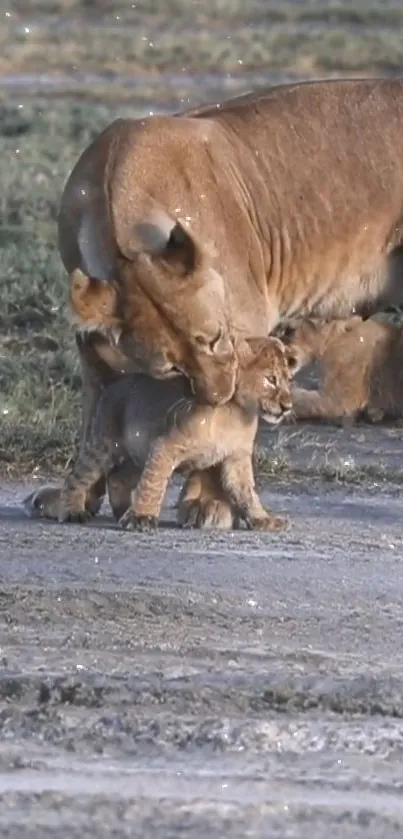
x=269 y=524
x=142 y=524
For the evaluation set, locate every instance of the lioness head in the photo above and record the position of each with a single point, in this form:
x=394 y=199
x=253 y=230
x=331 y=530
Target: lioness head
x=266 y=367
x=170 y=306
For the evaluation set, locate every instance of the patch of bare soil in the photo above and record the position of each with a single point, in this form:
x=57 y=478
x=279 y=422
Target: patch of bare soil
x=189 y=683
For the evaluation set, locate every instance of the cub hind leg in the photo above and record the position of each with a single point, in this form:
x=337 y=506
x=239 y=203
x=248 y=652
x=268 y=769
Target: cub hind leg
x=203 y=502
x=239 y=483
x=120 y=483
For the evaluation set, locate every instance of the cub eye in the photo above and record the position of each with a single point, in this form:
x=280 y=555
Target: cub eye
x=270 y=381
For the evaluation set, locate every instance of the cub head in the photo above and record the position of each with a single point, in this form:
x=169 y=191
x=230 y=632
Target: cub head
x=266 y=367
x=309 y=338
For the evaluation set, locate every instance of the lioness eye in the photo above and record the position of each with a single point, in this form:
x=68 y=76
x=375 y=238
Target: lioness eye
x=206 y=342
x=270 y=381
x=212 y=344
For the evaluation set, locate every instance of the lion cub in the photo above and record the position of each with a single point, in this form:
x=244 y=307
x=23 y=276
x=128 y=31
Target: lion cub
x=160 y=427
x=361 y=364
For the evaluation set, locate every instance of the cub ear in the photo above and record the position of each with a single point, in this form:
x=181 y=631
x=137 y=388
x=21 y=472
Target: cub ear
x=172 y=242
x=247 y=349
x=254 y=345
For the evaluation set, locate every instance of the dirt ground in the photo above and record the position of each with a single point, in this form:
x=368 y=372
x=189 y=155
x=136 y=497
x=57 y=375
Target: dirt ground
x=196 y=684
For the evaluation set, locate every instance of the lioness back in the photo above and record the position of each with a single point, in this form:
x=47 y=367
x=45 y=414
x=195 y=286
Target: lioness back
x=310 y=175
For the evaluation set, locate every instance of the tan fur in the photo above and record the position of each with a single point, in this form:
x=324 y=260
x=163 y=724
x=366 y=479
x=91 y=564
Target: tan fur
x=361 y=367
x=160 y=428
x=298 y=189
x=94 y=304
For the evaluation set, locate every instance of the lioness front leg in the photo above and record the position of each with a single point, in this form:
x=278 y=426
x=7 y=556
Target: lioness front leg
x=202 y=501
x=238 y=481
x=45 y=502
x=147 y=498
x=93 y=462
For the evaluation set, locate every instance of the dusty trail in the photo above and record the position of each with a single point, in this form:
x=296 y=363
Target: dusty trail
x=184 y=683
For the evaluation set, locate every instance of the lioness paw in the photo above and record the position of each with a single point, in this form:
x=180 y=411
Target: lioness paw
x=269 y=524
x=142 y=524
x=74 y=516
x=43 y=503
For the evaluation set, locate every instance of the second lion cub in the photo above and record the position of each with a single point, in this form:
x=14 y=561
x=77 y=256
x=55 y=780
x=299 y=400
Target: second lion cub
x=361 y=369
x=160 y=428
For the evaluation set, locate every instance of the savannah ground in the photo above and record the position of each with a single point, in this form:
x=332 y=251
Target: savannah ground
x=188 y=683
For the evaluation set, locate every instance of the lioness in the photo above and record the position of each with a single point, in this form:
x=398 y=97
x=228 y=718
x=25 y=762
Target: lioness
x=299 y=191
x=361 y=364
x=159 y=427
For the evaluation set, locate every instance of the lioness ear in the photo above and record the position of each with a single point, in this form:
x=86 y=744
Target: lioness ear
x=182 y=250
x=91 y=299
x=176 y=246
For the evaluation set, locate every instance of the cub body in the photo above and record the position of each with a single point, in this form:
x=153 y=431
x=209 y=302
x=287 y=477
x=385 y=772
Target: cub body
x=159 y=427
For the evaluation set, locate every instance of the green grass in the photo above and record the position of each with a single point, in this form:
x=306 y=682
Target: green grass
x=274 y=465
x=226 y=36
x=39 y=374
